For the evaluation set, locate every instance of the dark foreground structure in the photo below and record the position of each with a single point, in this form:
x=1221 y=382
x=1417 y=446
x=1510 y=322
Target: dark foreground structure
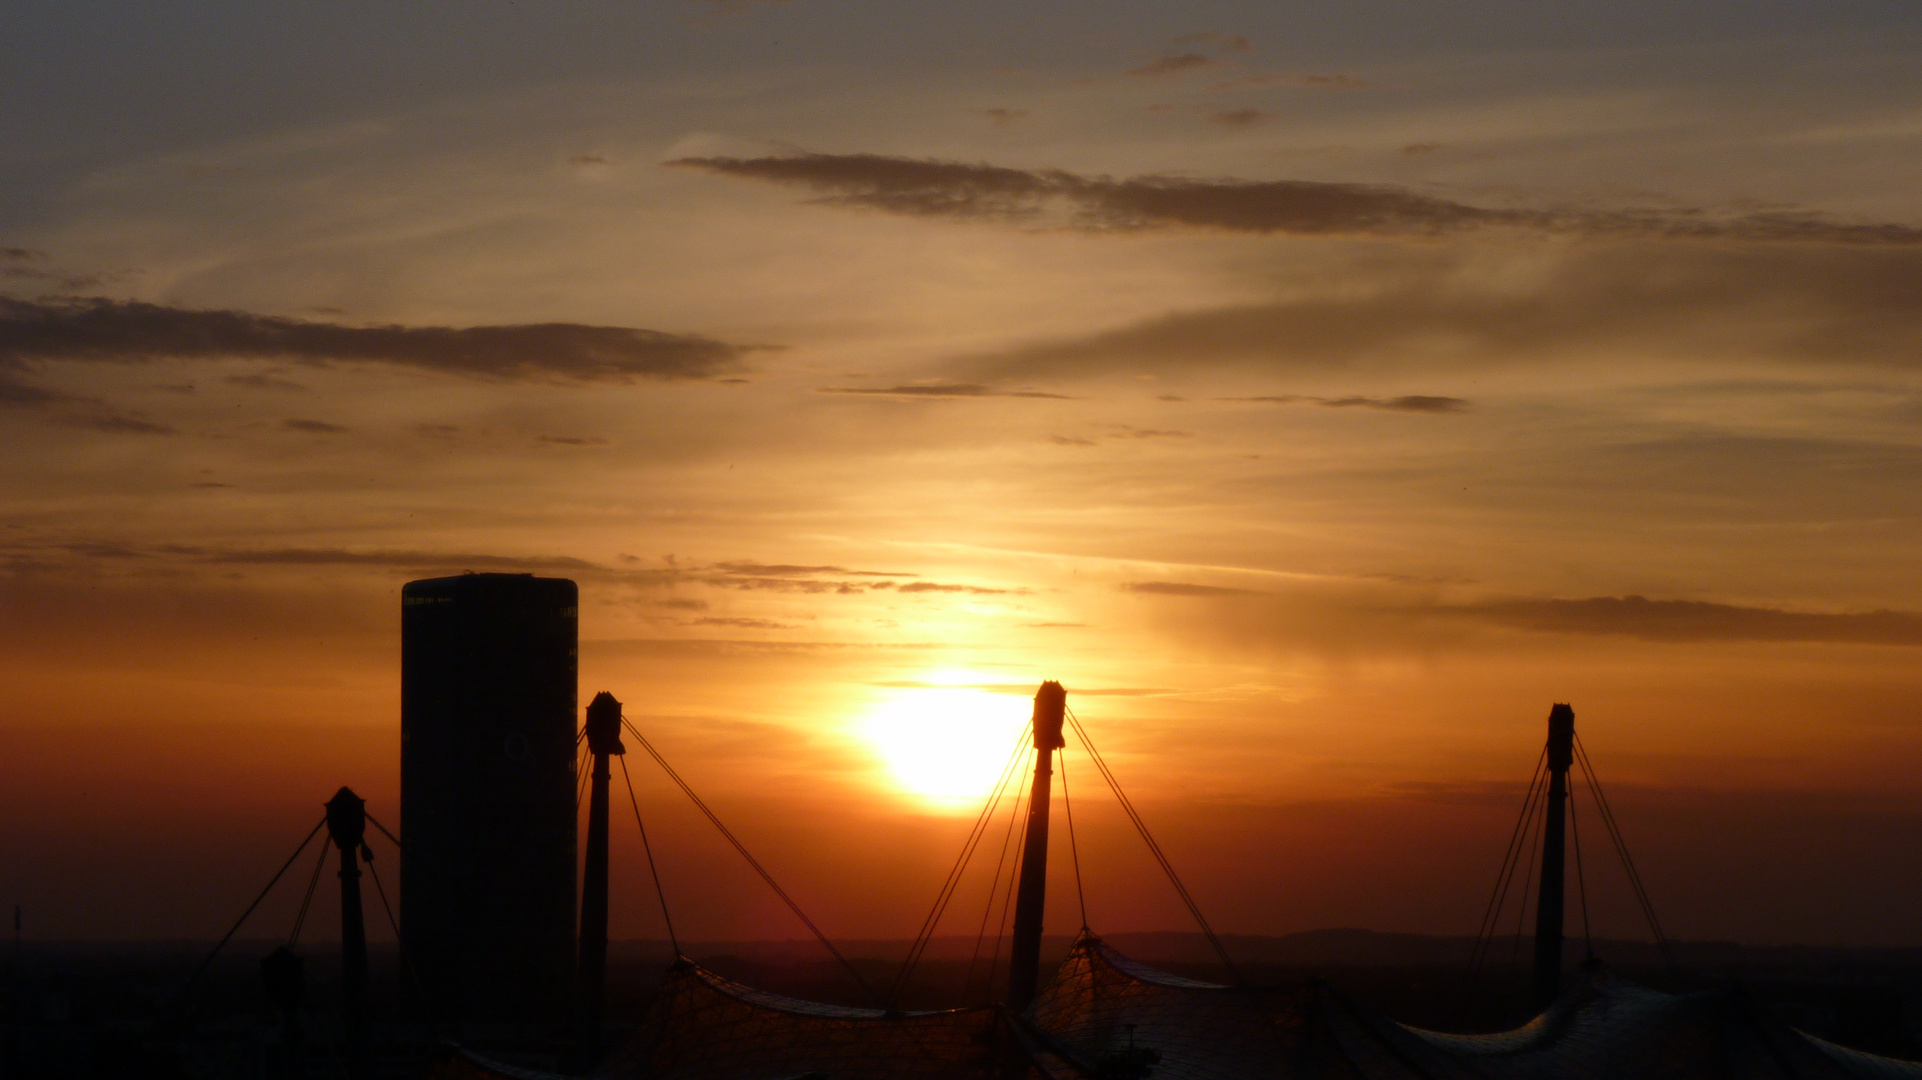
x=487 y=728
x=1106 y=1017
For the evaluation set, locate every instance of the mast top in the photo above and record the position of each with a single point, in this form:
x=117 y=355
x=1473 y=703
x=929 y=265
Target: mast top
x=1050 y=703
x=1561 y=737
x=346 y=819
x=604 y=725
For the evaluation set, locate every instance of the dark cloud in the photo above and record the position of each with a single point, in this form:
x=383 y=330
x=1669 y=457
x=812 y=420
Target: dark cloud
x=398 y=559
x=18 y=254
x=315 y=427
x=116 y=424
x=15 y=392
x=938 y=587
x=1820 y=304
x=754 y=569
x=1310 y=82
x=1418 y=403
x=1123 y=431
x=1173 y=64
x=1239 y=118
x=1692 y=620
x=811 y=585
x=263 y=381
x=949 y=189
x=1070 y=440
x=570 y=440
x=739 y=622
x=1024 y=689
x=71 y=410
x=735 y=576
x=941 y=390
x=125 y=332
x=1003 y=117
x=68 y=282
x=678 y=603
x=1415 y=403
x=1181 y=588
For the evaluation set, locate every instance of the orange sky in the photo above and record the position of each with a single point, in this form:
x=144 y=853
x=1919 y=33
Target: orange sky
x=1318 y=400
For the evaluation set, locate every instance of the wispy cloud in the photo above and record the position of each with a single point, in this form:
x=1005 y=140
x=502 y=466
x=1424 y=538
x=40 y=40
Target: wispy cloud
x=117 y=424
x=1809 y=304
x=1182 y=588
x=131 y=332
x=1273 y=79
x=755 y=569
x=739 y=622
x=1173 y=64
x=1415 y=403
x=1025 y=689
x=1239 y=118
x=296 y=556
x=940 y=390
x=1692 y=620
x=950 y=189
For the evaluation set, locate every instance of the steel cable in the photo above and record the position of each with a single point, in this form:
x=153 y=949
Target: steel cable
x=659 y=892
x=1074 y=849
x=307 y=900
x=994 y=888
x=1141 y=827
x=195 y=977
x=1505 y=879
x=1621 y=847
x=925 y=935
x=715 y=819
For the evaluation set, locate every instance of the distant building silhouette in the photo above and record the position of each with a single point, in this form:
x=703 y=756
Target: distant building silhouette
x=488 y=666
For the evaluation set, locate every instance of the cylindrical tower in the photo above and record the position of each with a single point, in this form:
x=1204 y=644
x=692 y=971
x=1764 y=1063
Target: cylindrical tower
x=487 y=815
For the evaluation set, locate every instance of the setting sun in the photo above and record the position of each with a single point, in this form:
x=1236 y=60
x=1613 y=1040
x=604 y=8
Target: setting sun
x=946 y=746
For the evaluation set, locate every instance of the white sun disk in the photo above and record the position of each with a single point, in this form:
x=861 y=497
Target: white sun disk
x=947 y=746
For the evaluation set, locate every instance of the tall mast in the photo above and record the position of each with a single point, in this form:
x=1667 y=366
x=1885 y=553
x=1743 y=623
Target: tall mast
x=1050 y=702
x=347 y=827
x=1548 y=908
x=603 y=740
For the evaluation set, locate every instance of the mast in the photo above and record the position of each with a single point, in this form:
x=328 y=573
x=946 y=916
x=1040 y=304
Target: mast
x=347 y=826
x=603 y=739
x=1548 y=908
x=1050 y=703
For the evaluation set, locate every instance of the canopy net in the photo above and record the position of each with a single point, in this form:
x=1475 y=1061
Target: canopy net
x=1107 y=1017
x=1117 y=1017
x=703 y=1026
x=1608 y=1026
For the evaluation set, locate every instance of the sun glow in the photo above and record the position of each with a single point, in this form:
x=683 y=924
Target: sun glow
x=947 y=746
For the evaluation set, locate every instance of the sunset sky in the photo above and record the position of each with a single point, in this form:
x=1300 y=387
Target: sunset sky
x=1319 y=392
